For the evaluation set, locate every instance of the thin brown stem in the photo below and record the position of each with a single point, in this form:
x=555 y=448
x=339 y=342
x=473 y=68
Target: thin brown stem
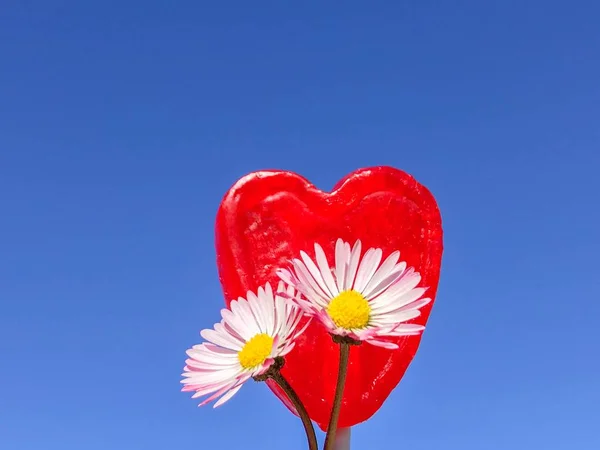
x=308 y=426
x=339 y=393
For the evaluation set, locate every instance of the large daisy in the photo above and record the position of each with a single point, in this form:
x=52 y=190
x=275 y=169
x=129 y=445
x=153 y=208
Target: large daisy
x=358 y=297
x=251 y=335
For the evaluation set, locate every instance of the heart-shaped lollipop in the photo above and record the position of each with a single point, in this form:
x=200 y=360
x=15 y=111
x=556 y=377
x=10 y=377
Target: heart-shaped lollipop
x=269 y=217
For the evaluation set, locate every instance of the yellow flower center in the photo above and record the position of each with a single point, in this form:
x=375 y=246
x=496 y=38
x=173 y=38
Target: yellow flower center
x=256 y=351
x=349 y=310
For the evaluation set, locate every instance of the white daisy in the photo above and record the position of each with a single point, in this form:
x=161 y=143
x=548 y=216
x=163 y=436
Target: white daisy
x=245 y=344
x=358 y=298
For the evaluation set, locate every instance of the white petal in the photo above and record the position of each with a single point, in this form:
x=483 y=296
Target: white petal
x=418 y=304
x=367 y=268
x=240 y=308
x=218 y=351
x=209 y=357
x=229 y=334
x=227 y=396
x=405 y=285
x=316 y=275
x=383 y=285
x=408 y=329
x=353 y=266
x=216 y=394
x=395 y=303
x=399 y=317
x=218 y=339
x=325 y=270
x=309 y=287
x=409 y=280
x=269 y=303
x=255 y=310
x=216 y=377
x=231 y=331
x=383 y=273
x=278 y=306
x=342 y=259
x=209 y=389
x=235 y=322
x=384 y=344
x=211 y=361
x=259 y=308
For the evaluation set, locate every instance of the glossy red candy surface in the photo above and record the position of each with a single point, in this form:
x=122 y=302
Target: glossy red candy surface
x=268 y=217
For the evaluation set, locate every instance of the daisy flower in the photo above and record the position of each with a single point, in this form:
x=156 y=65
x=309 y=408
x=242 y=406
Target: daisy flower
x=358 y=298
x=245 y=344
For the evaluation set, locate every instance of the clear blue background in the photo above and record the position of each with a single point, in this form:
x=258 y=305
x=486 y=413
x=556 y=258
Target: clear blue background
x=122 y=124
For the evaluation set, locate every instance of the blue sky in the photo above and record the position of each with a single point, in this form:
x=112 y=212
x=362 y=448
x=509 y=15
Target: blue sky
x=122 y=124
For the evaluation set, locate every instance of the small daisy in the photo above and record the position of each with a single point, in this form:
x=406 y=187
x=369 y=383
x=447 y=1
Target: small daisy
x=245 y=344
x=358 y=298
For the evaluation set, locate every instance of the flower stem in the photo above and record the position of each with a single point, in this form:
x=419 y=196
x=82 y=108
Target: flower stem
x=339 y=393
x=342 y=439
x=308 y=426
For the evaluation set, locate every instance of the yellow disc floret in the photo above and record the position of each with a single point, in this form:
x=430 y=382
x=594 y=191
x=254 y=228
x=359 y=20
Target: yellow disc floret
x=256 y=351
x=349 y=310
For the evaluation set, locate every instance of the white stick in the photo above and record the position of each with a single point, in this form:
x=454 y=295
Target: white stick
x=342 y=439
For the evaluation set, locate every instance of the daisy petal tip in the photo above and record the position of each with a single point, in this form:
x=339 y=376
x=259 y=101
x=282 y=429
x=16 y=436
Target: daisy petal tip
x=383 y=344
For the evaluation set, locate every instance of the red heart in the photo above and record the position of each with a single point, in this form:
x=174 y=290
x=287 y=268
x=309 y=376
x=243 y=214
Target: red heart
x=268 y=217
